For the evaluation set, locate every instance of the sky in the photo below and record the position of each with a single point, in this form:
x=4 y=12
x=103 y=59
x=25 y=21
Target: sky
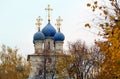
x=18 y=18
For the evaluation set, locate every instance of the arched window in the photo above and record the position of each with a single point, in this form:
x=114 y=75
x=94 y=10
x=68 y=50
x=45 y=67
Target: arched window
x=49 y=45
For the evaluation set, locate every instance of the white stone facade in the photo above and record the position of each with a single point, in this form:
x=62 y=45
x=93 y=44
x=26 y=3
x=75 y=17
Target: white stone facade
x=47 y=49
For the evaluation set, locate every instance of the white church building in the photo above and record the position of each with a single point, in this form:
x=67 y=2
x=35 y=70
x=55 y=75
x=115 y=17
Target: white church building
x=48 y=44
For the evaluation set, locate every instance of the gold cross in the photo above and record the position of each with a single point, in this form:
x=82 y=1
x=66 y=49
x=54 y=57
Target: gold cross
x=58 y=23
x=48 y=9
x=39 y=19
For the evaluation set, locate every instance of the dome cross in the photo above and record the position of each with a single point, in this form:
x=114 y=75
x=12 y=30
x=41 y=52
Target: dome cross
x=39 y=19
x=48 y=9
x=59 y=20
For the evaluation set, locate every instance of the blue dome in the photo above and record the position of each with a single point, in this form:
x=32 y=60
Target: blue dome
x=38 y=36
x=49 y=31
x=59 y=36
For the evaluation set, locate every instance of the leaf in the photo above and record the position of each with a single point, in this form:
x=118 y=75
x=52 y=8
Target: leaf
x=88 y=4
x=101 y=25
x=87 y=25
x=105 y=17
x=95 y=2
x=107 y=24
x=100 y=7
x=105 y=12
x=111 y=0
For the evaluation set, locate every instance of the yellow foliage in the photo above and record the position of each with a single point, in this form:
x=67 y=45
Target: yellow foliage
x=110 y=68
x=12 y=65
x=112 y=17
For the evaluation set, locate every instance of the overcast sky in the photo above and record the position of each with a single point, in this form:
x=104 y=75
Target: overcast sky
x=18 y=18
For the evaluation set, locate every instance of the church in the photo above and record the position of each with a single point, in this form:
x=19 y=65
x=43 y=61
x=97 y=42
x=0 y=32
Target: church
x=48 y=44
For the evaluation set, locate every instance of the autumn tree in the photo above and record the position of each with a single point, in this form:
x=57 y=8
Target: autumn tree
x=109 y=11
x=80 y=61
x=13 y=65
